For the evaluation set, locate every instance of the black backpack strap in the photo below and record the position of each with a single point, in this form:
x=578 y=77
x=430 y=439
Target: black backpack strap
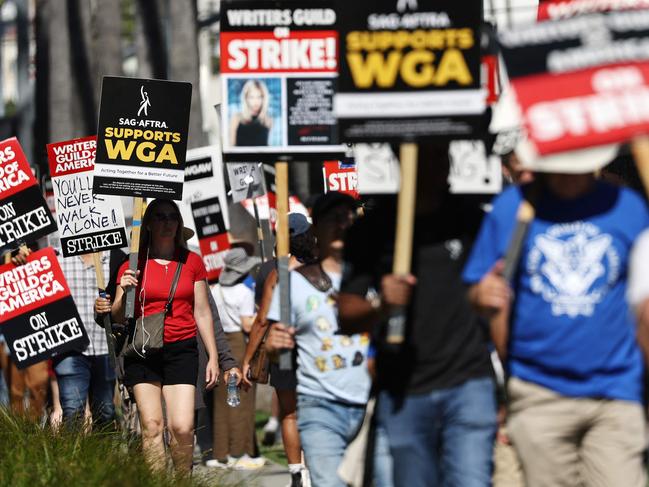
x=174 y=284
x=316 y=276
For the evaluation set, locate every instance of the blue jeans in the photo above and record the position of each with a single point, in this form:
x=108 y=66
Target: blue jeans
x=326 y=428
x=82 y=377
x=443 y=438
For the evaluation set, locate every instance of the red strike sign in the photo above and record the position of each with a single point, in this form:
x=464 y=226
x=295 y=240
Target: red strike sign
x=212 y=249
x=341 y=177
x=263 y=52
x=72 y=156
x=15 y=173
x=34 y=285
x=585 y=108
x=563 y=9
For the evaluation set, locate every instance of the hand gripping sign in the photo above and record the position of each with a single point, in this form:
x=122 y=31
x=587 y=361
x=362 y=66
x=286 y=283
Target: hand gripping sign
x=24 y=215
x=87 y=222
x=38 y=316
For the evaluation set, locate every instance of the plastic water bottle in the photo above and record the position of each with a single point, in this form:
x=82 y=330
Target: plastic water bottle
x=233 y=392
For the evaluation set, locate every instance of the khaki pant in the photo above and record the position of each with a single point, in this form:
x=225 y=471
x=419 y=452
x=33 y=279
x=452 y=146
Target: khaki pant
x=33 y=379
x=563 y=441
x=234 y=428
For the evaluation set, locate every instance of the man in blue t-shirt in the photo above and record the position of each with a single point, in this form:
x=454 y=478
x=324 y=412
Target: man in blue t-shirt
x=575 y=392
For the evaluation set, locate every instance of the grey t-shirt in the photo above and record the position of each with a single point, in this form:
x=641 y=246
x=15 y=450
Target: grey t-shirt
x=330 y=365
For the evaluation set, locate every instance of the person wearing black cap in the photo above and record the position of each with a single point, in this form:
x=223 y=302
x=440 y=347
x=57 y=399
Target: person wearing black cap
x=333 y=383
x=302 y=250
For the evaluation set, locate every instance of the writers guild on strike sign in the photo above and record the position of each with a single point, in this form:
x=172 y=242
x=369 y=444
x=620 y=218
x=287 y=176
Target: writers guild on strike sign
x=24 y=215
x=37 y=313
x=279 y=67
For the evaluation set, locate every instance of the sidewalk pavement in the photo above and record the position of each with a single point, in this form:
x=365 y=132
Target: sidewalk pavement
x=271 y=475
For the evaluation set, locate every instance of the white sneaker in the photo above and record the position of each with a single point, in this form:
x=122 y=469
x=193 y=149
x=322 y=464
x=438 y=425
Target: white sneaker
x=306 y=477
x=246 y=462
x=213 y=463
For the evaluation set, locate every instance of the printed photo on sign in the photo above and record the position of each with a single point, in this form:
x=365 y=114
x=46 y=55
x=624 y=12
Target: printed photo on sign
x=279 y=69
x=212 y=235
x=255 y=112
x=87 y=222
x=24 y=215
x=142 y=138
x=409 y=69
x=38 y=317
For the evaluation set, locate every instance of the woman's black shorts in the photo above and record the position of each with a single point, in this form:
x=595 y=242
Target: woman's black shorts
x=177 y=363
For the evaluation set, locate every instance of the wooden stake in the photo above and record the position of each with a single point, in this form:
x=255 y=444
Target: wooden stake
x=499 y=323
x=138 y=209
x=402 y=260
x=283 y=246
x=101 y=288
x=640 y=151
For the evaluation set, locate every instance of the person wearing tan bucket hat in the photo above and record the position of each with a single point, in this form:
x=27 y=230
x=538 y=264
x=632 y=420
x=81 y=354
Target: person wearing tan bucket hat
x=234 y=442
x=576 y=372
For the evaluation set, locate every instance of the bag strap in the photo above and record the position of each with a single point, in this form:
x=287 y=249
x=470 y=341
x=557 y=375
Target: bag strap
x=317 y=277
x=174 y=284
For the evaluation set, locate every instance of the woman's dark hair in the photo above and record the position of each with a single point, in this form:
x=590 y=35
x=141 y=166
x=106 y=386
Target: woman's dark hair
x=145 y=234
x=303 y=247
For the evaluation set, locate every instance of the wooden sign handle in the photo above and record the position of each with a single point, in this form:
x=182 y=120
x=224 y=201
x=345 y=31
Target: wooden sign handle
x=402 y=260
x=138 y=210
x=640 y=151
x=101 y=288
x=283 y=247
x=499 y=323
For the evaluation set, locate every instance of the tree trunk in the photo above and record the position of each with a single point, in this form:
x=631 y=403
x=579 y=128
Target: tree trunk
x=107 y=42
x=61 y=120
x=153 y=50
x=185 y=63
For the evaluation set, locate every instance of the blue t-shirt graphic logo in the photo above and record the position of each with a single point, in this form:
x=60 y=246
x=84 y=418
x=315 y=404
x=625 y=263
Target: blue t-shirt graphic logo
x=572 y=267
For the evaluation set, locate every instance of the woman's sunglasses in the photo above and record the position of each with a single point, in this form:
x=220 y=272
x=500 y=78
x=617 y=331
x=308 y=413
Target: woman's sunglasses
x=169 y=217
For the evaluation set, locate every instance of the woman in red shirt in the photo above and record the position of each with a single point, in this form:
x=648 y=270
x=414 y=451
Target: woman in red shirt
x=172 y=373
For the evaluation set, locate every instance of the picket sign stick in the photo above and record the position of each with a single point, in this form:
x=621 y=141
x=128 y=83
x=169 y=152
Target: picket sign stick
x=269 y=242
x=260 y=233
x=7 y=258
x=499 y=323
x=101 y=288
x=281 y=183
x=138 y=206
x=403 y=243
x=640 y=151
